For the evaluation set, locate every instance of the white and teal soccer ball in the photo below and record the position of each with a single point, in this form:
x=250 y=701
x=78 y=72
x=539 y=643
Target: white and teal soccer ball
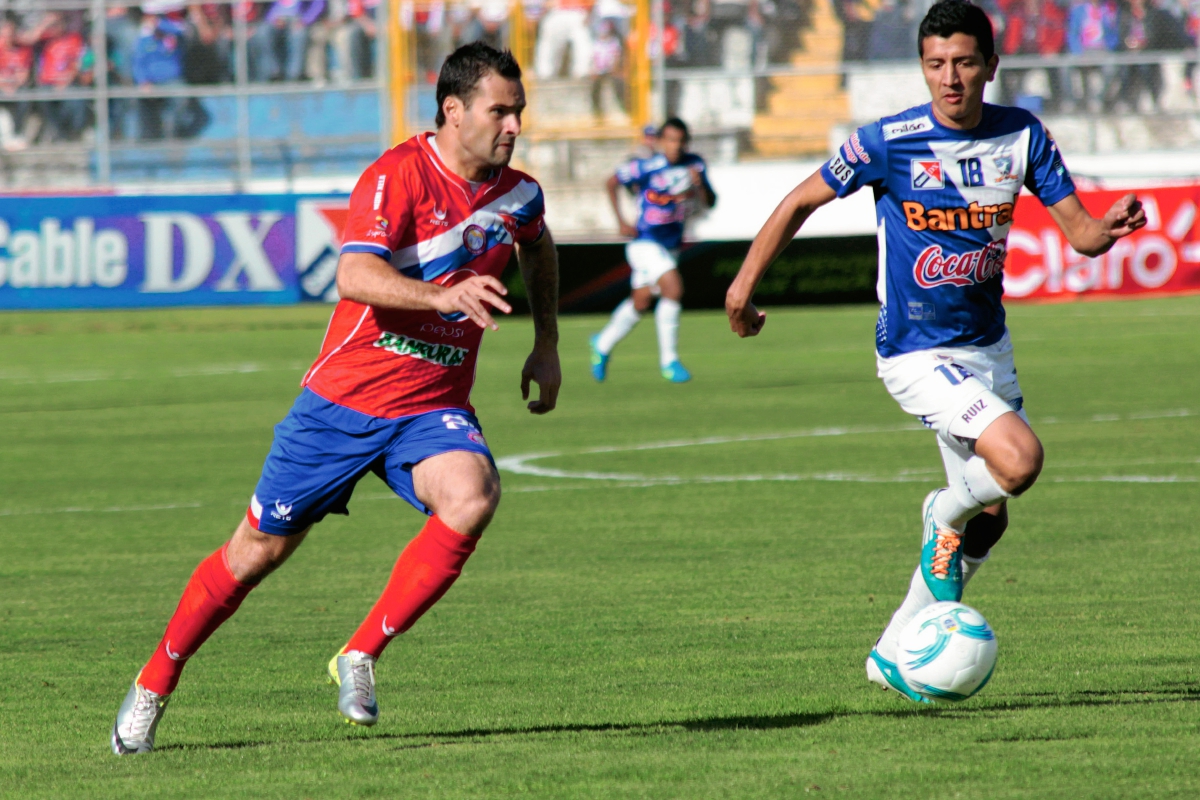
x=947 y=652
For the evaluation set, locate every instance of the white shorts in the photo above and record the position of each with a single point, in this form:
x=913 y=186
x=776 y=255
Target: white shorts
x=649 y=262
x=955 y=391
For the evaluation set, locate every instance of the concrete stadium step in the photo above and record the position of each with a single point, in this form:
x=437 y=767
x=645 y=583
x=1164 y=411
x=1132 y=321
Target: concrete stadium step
x=802 y=109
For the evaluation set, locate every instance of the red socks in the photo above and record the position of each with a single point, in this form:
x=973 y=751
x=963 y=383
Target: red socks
x=210 y=598
x=425 y=570
x=423 y=573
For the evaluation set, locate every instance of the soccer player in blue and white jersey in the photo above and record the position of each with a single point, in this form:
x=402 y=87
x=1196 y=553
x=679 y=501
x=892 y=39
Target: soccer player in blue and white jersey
x=946 y=177
x=670 y=185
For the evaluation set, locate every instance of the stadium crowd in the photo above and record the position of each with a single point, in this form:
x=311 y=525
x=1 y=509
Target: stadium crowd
x=170 y=43
x=885 y=29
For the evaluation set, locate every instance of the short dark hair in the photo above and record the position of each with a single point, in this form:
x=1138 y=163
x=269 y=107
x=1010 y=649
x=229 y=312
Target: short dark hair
x=466 y=67
x=677 y=124
x=948 y=17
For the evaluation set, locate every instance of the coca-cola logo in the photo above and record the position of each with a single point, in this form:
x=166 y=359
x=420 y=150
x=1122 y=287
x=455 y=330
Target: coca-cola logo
x=935 y=268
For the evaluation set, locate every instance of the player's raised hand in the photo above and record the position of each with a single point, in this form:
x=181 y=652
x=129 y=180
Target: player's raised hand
x=744 y=319
x=542 y=368
x=1125 y=217
x=472 y=297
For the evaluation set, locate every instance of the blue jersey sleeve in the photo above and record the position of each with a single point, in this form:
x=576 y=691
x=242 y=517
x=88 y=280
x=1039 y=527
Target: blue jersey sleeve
x=1047 y=176
x=862 y=160
x=630 y=173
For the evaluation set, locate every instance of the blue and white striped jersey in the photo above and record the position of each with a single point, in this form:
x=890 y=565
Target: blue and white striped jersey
x=944 y=203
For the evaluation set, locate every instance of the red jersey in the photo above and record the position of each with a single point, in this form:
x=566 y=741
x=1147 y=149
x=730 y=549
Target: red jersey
x=410 y=209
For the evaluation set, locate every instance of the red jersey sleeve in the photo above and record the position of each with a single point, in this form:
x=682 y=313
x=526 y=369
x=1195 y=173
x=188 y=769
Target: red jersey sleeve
x=380 y=211
x=531 y=220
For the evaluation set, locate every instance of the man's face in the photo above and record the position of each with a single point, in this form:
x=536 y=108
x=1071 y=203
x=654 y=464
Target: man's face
x=488 y=127
x=672 y=144
x=955 y=72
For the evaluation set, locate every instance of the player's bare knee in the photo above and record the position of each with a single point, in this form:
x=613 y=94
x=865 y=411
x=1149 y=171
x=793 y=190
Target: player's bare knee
x=469 y=507
x=1017 y=467
x=254 y=555
x=641 y=304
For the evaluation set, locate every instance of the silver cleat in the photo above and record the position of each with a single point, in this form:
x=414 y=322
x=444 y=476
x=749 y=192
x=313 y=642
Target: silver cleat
x=354 y=673
x=138 y=719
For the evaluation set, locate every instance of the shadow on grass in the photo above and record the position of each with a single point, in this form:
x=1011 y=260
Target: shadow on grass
x=419 y=740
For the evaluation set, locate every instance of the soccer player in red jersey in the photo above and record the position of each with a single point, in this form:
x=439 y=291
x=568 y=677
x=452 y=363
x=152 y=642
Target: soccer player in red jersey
x=432 y=225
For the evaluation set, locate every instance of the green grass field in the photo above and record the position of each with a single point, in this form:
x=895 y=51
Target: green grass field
x=637 y=622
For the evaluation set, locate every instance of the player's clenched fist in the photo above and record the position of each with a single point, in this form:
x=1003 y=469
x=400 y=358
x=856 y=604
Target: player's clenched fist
x=744 y=319
x=472 y=297
x=1125 y=217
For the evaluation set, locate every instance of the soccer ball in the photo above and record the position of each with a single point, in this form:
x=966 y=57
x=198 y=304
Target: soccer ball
x=947 y=652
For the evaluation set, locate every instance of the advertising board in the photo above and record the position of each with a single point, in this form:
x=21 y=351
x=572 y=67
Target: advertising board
x=1162 y=258
x=130 y=251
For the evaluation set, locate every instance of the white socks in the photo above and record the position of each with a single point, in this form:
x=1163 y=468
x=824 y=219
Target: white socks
x=666 y=317
x=970 y=566
x=974 y=490
x=624 y=319
x=918 y=597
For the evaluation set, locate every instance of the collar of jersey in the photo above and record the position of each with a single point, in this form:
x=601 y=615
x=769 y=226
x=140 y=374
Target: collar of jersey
x=461 y=183
x=958 y=133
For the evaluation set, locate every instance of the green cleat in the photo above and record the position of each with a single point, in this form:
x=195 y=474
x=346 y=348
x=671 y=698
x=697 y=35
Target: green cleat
x=887 y=675
x=941 y=559
x=354 y=674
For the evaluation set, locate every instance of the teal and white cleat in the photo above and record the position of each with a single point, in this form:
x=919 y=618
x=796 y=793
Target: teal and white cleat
x=941 y=559
x=354 y=674
x=599 y=361
x=887 y=675
x=676 y=373
x=137 y=721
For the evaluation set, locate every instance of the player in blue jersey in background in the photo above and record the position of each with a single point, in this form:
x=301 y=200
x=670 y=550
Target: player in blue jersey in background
x=946 y=177
x=670 y=185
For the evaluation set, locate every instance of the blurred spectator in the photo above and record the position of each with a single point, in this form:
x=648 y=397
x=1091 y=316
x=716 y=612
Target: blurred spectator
x=16 y=64
x=158 y=61
x=121 y=27
x=1147 y=26
x=893 y=35
x=856 y=17
x=608 y=67
x=738 y=25
x=280 y=42
x=61 y=66
x=354 y=34
x=435 y=39
x=1091 y=29
x=564 y=25
x=208 y=44
x=488 y=22
x=1034 y=27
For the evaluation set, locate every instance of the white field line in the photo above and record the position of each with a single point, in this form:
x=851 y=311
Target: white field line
x=519 y=465
x=523 y=464
x=108 y=510
x=27 y=378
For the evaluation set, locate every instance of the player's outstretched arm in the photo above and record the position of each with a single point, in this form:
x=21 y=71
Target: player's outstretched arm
x=1091 y=236
x=367 y=278
x=744 y=319
x=539 y=269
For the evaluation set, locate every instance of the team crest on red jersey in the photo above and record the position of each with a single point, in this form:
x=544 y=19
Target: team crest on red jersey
x=927 y=174
x=475 y=239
